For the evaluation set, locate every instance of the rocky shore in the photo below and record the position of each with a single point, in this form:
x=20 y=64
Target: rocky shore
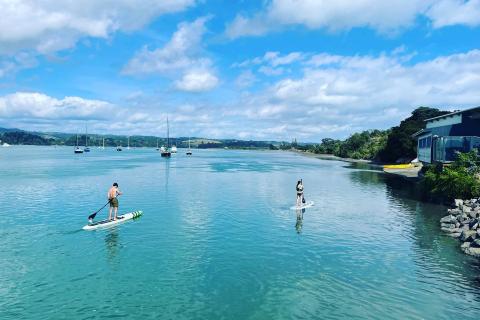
x=463 y=222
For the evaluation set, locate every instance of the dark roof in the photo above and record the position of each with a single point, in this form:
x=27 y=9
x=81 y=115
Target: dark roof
x=454 y=113
x=420 y=132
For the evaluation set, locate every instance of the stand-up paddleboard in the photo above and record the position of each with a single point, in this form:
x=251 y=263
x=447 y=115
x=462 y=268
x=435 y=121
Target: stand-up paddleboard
x=108 y=223
x=307 y=204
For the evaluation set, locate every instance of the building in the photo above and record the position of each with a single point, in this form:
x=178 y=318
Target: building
x=446 y=135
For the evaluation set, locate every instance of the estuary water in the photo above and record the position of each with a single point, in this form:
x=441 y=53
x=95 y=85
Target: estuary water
x=218 y=241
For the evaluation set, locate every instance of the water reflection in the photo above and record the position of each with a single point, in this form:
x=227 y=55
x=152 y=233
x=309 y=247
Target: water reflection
x=299 y=222
x=112 y=243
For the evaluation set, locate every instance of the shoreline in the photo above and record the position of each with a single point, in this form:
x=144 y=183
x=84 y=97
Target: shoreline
x=325 y=156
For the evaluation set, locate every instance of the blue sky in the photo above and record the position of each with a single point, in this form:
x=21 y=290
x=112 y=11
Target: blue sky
x=276 y=69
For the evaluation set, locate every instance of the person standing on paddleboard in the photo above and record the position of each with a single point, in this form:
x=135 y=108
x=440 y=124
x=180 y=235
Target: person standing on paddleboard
x=112 y=198
x=300 y=198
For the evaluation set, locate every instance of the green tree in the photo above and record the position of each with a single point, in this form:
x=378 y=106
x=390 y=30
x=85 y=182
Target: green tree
x=400 y=143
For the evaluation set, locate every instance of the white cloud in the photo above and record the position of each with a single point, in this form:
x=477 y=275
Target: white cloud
x=33 y=105
x=181 y=55
x=452 y=12
x=197 y=81
x=330 y=96
x=383 y=16
x=48 y=25
x=245 y=79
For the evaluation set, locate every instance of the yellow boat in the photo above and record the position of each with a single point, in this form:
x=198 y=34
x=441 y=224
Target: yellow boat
x=398 y=166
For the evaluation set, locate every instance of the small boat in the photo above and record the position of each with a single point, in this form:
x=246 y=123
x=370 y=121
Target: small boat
x=128 y=143
x=5 y=145
x=102 y=147
x=109 y=223
x=174 y=149
x=189 y=151
x=77 y=148
x=119 y=148
x=165 y=153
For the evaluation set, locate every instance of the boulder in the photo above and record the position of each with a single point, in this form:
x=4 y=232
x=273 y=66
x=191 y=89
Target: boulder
x=448 y=219
x=472 y=251
x=466 y=209
x=475 y=243
x=447 y=225
x=454 y=212
x=465 y=245
x=468 y=235
x=473 y=225
x=472 y=214
x=458 y=202
x=454 y=234
x=452 y=230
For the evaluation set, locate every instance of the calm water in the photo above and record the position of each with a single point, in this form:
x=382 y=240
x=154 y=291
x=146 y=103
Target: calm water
x=218 y=241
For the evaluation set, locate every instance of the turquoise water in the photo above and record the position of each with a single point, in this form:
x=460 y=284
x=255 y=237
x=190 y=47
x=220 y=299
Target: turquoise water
x=218 y=241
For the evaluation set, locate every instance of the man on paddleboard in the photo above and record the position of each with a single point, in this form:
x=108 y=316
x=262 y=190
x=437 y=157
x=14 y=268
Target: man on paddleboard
x=112 y=198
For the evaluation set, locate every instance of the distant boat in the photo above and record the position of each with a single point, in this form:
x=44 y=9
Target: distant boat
x=174 y=149
x=166 y=151
x=87 y=149
x=157 y=145
x=128 y=143
x=189 y=151
x=5 y=144
x=119 y=148
x=77 y=148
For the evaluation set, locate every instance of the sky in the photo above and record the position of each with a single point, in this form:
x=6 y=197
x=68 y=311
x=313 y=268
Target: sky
x=263 y=70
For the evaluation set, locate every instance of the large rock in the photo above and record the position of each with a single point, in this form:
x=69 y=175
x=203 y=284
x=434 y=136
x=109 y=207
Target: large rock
x=447 y=225
x=452 y=230
x=466 y=209
x=475 y=243
x=458 y=202
x=468 y=235
x=465 y=245
x=473 y=214
x=448 y=219
x=455 y=211
x=472 y=251
x=473 y=225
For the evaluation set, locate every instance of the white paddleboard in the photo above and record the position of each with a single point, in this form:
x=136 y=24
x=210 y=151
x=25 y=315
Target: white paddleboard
x=108 y=223
x=307 y=204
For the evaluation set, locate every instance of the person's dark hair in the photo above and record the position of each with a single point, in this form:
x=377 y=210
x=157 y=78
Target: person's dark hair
x=115 y=184
x=299 y=181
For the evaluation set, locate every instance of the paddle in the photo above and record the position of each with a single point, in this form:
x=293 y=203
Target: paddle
x=92 y=216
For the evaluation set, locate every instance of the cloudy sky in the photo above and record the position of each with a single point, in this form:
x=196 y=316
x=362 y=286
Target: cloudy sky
x=273 y=69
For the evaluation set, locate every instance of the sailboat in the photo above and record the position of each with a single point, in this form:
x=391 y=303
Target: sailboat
x=77 y=148
x=166 y=151
x=128 y=143
x=87 y=149
x=157 y=145
x=174 y=149
x=189 y=151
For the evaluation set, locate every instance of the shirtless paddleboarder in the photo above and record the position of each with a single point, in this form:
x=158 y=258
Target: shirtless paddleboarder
x=112 y=198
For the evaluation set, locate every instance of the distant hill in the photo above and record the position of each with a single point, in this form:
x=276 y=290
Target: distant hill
x=17 y=136
x=3 y=130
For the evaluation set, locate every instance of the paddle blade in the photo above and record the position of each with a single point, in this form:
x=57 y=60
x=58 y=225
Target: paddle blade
x=92 y=216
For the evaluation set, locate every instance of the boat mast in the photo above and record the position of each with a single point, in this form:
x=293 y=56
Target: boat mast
x=168 y=135
x=103 y=143
x=86 y=136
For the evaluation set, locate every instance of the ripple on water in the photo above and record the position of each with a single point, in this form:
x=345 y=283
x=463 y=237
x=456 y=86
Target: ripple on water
x=218 y=240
